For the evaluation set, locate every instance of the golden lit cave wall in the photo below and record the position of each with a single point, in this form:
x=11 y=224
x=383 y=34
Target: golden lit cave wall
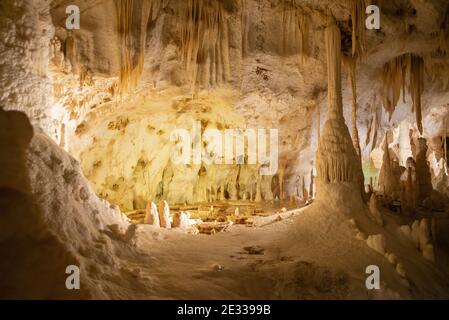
x=206 y=29
x=130 y=164
x=206 y=32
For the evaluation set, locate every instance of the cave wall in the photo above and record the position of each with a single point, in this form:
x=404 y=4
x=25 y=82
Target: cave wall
x=261 y=61
x=25 y=32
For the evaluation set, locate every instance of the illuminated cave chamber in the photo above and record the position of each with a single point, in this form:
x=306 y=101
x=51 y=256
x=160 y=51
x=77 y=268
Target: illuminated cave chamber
x=359 y=119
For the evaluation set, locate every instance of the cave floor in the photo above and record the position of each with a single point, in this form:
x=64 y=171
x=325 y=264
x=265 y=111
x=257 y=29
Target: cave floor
x=303 y=254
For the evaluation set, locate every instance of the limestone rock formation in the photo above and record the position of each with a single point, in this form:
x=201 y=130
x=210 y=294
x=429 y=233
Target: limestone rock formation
x=421 y=234
x=181 y=220
x=152 y=215
x=423 y=171
x=337 y=162
x=377 y=243
x=409 y=187
x=374 y=210
x=164 y=214
x=50 y=210
x=389 y=176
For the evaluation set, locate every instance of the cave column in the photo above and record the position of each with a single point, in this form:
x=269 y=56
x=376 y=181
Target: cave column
x=337 y=162
x=333 y=41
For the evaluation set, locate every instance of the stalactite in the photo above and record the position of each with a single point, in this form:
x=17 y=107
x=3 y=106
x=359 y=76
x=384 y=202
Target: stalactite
x=205 y=42
x=305 y=193
x=438 y=72
x=245 y=28
x=395 y=79
x=357 y=8
x=295 y=29
x=371 y=136
x=312 y=184
x=443 y=34
x=70 y=52
x=131 y=62
x=132 y=20
x=416 y=86
x=435 y=66
x=333 y=54
x=445 y=140
x=351 y=64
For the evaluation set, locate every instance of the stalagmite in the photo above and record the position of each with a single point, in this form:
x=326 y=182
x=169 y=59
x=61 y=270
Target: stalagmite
x=181 y=220
x=201 y=187
x=377 y=242
x=389 y=175
x=221 y=195
x=258 y=196
x=420 y=233
x=164 y=214
x=409 y=187
x=232 y=190
x=374 y=210
x=266 y=189
x=423 y=171
x=152 y=215
x=336 y=158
